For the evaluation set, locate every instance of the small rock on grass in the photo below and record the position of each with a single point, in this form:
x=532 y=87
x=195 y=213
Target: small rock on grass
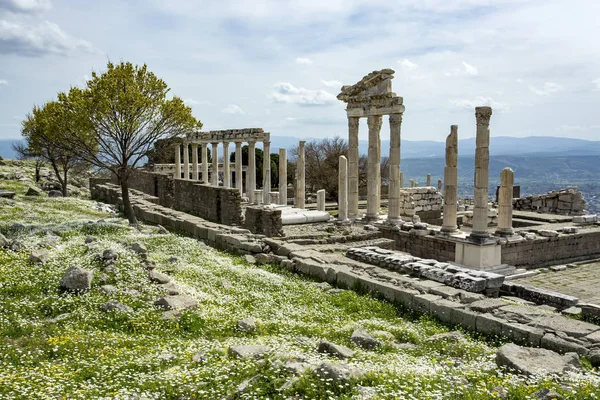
x=180 y=302
x=247 y=325
x=250 y=259
x=336 y=350
x=139 y=248
x=337 y=372
x=158 y=277
x=199 y=358
x=547 y=394
x=113 y=305
x=454 y=336
x=361 y=338
x=39 y=256
x=108 y=289
x=250 y=351
x=77 y=280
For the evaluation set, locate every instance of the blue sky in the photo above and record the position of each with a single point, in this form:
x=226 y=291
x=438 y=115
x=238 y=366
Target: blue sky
x=279 y=64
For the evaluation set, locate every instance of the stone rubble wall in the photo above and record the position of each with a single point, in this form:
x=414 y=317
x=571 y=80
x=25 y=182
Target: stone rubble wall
x=492 y=217
x=263 y=220
x=219 y=204
x=567 y=201
x=415 y=200
x=429 y=247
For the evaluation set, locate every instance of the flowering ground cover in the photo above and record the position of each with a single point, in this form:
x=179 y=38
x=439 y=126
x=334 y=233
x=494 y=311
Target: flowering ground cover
x=54 y=344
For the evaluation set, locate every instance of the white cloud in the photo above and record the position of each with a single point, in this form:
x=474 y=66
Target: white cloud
x=469 y=69
x=25 y=6
x=546 y=89
x=477 y=102
x=304 y=61
x=193 y=102
x=233 y=109
x=285 y=92
x=408 y=65
x=466 y=70
x=3 y=82
x=596 y=83
x=332 y=84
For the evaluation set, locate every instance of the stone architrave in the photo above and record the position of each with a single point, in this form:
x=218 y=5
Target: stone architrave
x=482 y=165
x=428 y=182
x=226 y=171
x=373 y=167
x=251 y=178
x=439 y=186
x=353 y=166
x=215 y=165
x=300 y=182
x=451 y=181
x=282 y=176
x=394 y=187
x=195 y=161
x=204 y=147
x=266 y=171
x=321 y=200
x=186 y=161
x=505 y=196
x=178 y=161
x=238 y=167
x=343 y=189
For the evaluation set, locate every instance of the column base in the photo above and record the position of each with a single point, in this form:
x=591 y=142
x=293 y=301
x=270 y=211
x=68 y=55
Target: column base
x=505 y=232
x=480 y=238
x=449 y=229
x=480 y=256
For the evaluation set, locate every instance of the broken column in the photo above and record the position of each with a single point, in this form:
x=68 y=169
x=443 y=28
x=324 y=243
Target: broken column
x=394 y=187
x=343 y=189
x=226 y=172
x=178 y=161
x=266 y=170
x=439 y=185
x=482 y=164
x=186 y=161
x=373 y=168
x=321 y=200
x=238 y=167
x=505 y=194
x=195 y=161
x=353 y=167
x=300 y=183
x=428 y=182
x=251 y=174
x=215 y=165
x=450 y=181
x=205 y=163
x=282 y=177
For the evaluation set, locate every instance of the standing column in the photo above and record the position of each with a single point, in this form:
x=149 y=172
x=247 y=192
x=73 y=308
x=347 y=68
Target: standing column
x=226 y=172
x=505 y=194
x=238 y=167
x=394 y=188
x=251 y=173
x=215 y=165
x=205 y=163
x=282 y=177
x=178 y=161
x=195 y=161
x=428 y=180
x=482 y=165
x=266 y=171
x=321 y=200
x=186 y=161
x=451 y=181
x=343 y=189
x=353 y=167
x=373 y=168
x=439 y=185
x=300 y=183
x=401 y=180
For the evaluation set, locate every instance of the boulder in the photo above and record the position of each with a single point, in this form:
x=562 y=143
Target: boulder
x=361 y=338
x=179 y=302
x=158 y=277
x=594 y=357
x=33 y=191
x=39 y=256
x=533 y=361
x=250 y=259
x=139 y=248
x=337 y=372
x=296 y=367
x=336 y=350
x=247 y=325
x=250 y=351
x=90 y=239
x=113 y=305
x=110 y=255
x=108 y=289
x=170 y=289
x=77 y=280
x=55 y=193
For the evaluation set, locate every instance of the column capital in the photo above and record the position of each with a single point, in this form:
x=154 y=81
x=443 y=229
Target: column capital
x=507 y=177
x=483 y=115
x=353 y=122
x=395 y=119
x=374 y=121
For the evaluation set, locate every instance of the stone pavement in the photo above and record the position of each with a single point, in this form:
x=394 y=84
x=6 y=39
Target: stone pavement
x=582 y=282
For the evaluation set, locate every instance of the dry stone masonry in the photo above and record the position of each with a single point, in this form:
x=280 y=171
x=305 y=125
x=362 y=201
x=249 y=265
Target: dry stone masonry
x=567 y=201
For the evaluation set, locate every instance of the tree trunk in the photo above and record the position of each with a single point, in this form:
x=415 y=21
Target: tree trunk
x=65 y=191
x=127 y=209
x=38 y=167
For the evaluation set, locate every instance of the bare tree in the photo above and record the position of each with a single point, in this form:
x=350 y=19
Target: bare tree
x=25 y=153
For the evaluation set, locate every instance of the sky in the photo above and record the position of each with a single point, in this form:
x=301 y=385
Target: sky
x=279 y=64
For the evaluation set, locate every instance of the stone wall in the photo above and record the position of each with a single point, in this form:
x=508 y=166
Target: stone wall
x=492 y=217
x=564 y=202
x=429 y=247
x=426 y=202
x=213 y=203
x=263 y=220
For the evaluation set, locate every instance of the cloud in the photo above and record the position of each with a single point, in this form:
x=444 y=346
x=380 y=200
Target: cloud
x=478 y=101
x=408 y=65
x=332 y=84
x=285 y=92
x=466 y=70
x=3 y=82
x=25 y=6
x=546 y=89
x=193 y=102
x=469 y=69
x=596 y=83
x=304 y=61
x=233 y=109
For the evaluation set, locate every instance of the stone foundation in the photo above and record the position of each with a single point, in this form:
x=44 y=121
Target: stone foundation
x=263 y=220
x=214 y=203
x=563 y=202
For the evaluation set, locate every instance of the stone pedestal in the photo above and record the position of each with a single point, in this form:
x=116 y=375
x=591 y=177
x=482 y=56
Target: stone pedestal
x=505 y=196
x=300 y=182
x=273 y=197
x=251 y=178
x=353 y=167
x=343 y=189
x=215 y=165
x=238 y=167
x=266 y=171
x=282 y=177
x=177 y=161
x=226 y=172
x=451 y=181
x=195 y=162
x=482 y=161
x=205 y=163
x=373 y=168
x=258 y=198
x=186 y=161
x=394 y=187
x=478 y=256
x=321 y=200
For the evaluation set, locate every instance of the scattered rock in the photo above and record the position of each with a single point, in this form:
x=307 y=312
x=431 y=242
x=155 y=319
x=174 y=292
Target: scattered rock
x=531 y=361
x=594 y=357
x=246 y=385
x=158 y=277
x=103 y=278
x=500 y=392
x=558 y=268
x=180 y=302
x=336 y=350
x=171 y=315
x=32 y=191
x=547 y=233
x=55 y=193
x=110 y=255
x=4 y=242
x=370 y=228
x=324 y=286
x=454 y=336
x=247 y=325
x=335 y=291
x=296 y=367
x=113 y=305
x=250 y=351
x=139 y=249
x=337 y=372
x=39 y=256
x=173 y=260
x=547 y=394
x=170 y=289
x=250 y=259
x=199 y=358
x=77 y=280
x=90 y=239
x=361 y=338
x=108 y=289
x=110 y=269
x=161 y=230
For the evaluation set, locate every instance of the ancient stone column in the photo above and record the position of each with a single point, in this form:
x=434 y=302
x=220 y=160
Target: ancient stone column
x=195 y=161
x=411 y=183
x=451 y=181
x=394 y=188
x=428 y=180
x=342 y=189
x=482 y=164
x=373 y=167
x=439 y=185
x=238 y=167
x=401 y=180
x=205 y=163
x=505 y=194
x=321 y=200
x=266 y=172
x=226 y=171
x=353 y=167
x=186 y=161
x=300 y=176
x=178 y=161
x=251 y=173
x=282 y=177
x=215 y=165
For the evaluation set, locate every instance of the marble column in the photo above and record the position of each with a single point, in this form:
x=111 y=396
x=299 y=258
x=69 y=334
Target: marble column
x=353 y=167
x=195 y=161
x=204 y=163
x=300 y=176
x=321 y=200
x=266 y=172
x=282 y=177
x=505 y=194
x=215 y=165
x=186 y=161
x=178 y=161
x=343 y=189
x=251 y=173
x=238 y=167
x=401 y=180
x=428 y=180
x=482 y=164
x=226 y=171
x=394 y=187
x=451 y=181
x=439 y=187
x=373 y=167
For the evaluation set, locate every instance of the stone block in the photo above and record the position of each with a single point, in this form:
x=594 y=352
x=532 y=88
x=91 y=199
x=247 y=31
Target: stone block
x=522 y=334
x=405 y=296
x=465 y=318
x=443 y=309
x=488 y=324
x=552 y=342
x=422 y=302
